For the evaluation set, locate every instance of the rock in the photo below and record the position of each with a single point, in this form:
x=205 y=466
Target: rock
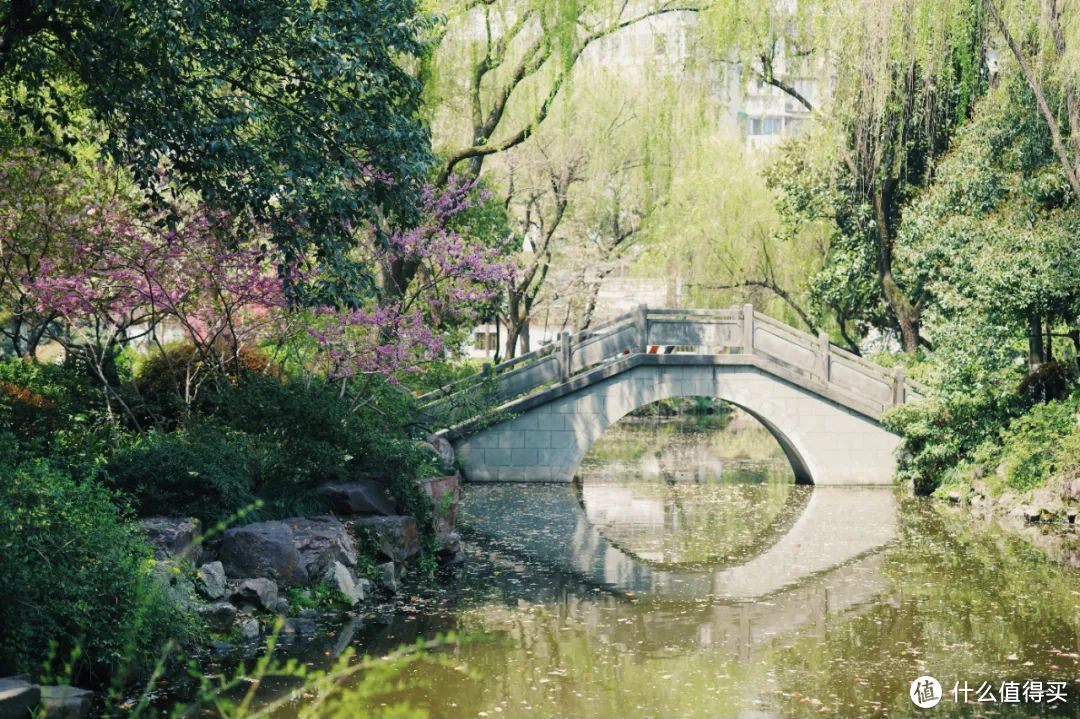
x=263 y=549
x=449 y=543
x=304 y=625
x=18 y=698
x=248 y=628
x=64 y=702
x=445 y=495
x=176 y=583
x=219 y=616
x=397 y=537
x=322 y=541
x=222 y=648
x=341 y=579
x=280 y=606
x=368 y=496
x=1046 y=501
x=388 y=576
x=955 y=496
x=443 y=449
x=258 y=591
x=1072 y=490
x=210 y=580
x=173 y=537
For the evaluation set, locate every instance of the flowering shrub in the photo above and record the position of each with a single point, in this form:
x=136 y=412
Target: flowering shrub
x=110 y=277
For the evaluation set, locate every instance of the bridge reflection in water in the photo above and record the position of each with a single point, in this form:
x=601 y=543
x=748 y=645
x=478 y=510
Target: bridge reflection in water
x=824 y=562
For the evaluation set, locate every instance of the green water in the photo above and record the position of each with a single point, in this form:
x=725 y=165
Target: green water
x=687 y=576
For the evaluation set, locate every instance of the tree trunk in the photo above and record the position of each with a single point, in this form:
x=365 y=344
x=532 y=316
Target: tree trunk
x=907 y=316
x=1036 y=357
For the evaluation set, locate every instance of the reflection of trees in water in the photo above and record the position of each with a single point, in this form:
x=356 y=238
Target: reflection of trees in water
x=686 y=448
x=694 y=490
x=690 y=523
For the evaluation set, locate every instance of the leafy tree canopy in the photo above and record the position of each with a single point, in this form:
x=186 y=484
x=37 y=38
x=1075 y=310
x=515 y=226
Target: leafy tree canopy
x=304 y=113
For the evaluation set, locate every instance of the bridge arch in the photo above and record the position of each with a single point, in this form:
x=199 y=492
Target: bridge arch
x=546 y=437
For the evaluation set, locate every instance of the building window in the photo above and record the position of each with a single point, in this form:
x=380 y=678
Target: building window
x=485 y=341
x=766 y=125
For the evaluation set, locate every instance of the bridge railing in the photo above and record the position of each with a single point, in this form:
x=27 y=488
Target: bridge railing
x=754 y=337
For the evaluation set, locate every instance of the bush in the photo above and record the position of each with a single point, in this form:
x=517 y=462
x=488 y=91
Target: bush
x=169 y=382
x=54 y=411
x=74 y=575
x=1031 y=447
x=205 y=472
x=269 y=439
x=937 y=435
x=308 y=435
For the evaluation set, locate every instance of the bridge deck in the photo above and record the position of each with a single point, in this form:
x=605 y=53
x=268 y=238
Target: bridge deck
x=663 y=337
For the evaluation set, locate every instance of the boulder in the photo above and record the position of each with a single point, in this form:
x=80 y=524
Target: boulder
x=388 y=577
x=175 y=580
x=64 y=702
x=443 y=450
x=449 y=543
x=263 y=549
x=280 y=606
x=210 y=580
x=341 y=579
x=257 y=591
x=397 y=536
x=18 y=698
x=173 y=537
x=1072 y=490
x=219 y=616
x=445 y=495
x=248 y=628
x=322 y=541
x=304 y=624
x=367 y=496
x=222 y=649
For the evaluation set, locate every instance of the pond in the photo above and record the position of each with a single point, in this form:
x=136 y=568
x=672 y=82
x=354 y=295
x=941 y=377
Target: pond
x=685 y=574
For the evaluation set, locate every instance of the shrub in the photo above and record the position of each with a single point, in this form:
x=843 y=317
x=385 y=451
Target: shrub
x=308 y=434
x=205 y=472
x=55 y=411
x=74 y=574
x=937 y=435
x=1031 y=447
x=169 y=382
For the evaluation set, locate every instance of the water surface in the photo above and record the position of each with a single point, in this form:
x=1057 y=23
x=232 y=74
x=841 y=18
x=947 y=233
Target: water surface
x=686 y=575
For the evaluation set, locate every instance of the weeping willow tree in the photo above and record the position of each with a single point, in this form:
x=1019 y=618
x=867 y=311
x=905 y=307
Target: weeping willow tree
x=500 y=66
x=895 y=79
x=1043 y=37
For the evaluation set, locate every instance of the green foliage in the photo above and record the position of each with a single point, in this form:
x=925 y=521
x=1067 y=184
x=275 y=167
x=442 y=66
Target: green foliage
x=1030 y=446
x=351 y=688
x=55 y=411
x=292 y=111
x=938 y=434
x=205 y=472
x=74 y=574
x=318 y=596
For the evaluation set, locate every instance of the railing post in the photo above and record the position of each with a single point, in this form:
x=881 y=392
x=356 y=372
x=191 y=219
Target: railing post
x=899 y=391
x=824 y=356
x=642 y=322
x=564 y=355
x=748 y=329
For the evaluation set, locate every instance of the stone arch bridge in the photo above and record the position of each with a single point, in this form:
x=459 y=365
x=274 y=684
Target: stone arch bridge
x=544 y=410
